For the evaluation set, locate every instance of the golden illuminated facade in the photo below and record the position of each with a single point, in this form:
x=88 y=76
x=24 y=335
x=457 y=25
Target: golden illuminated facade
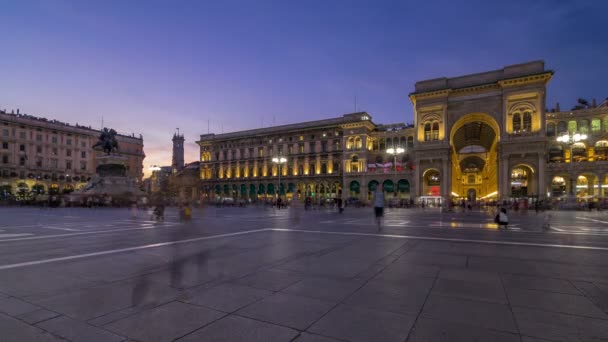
x=320 y=157
x=483 y=136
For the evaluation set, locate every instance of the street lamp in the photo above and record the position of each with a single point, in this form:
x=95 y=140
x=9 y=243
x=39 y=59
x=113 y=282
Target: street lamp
x=571 y=139
x=395 y=152
x=279 y=160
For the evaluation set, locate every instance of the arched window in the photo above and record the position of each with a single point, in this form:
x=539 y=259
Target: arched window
x=596 y=126
x=562 y=127
x=572 y=127
x=527 y=121
x=300 y=170
x=402 y=142
x=260 y=172
x=435 y=130
x=410 y=142
x=357 y=142
x=242 y=174
x=354 y=164
x=516 y=122
x=336 y=166
x=350 y=143
x=427 y=131
x=551 y=129
x=382 y=144
x=323 y=168
x=583 y=126
x=311 y=169
x=579 y=152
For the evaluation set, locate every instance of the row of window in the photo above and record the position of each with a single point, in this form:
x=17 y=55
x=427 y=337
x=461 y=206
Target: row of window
x=53 y=163
x=54 y=150
x=269 y=151
x=276 y=139
x=39 y=137
x=265 y=171
x=581 y=126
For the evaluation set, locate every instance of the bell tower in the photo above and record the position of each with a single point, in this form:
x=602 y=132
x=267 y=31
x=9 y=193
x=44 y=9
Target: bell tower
x=178 y=152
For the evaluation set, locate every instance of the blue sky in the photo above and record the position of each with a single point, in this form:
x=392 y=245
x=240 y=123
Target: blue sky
x=151 y=66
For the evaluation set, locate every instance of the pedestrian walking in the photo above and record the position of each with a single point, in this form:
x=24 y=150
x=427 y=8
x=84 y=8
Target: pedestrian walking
x=501 y=218
x=379 y=205
x=295 y=208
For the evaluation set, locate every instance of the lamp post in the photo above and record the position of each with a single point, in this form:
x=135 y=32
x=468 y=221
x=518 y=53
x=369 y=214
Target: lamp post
x=279 y=160
x=395 y=152
x=571 y=139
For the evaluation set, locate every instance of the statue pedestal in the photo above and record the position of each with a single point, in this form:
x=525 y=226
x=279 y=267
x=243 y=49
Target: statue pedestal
x=112 y=180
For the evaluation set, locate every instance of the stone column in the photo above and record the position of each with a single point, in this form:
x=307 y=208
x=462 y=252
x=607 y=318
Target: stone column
x=503 y=178
x=445 y=180
x=417 y=183
x=542 y=182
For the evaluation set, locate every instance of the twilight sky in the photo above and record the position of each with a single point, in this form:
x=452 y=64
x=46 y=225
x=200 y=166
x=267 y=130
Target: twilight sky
x=150 y=67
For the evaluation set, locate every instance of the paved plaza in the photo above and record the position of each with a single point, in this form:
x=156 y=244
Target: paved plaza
x=260 y=274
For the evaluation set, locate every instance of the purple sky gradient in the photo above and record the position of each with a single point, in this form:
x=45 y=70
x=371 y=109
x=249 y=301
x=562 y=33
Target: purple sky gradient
x=151 y=66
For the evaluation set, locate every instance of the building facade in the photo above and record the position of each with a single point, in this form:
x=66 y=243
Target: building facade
x=485 y=136
x=322 y=158
x=40 y=156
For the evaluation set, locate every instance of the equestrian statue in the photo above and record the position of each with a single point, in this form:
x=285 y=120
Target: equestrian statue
x=107 y=141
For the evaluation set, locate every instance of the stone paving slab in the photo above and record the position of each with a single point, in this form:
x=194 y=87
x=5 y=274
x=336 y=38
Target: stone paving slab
x=555 y=326
x=272 y=279
x=490 y=292
x=37 y=316
x=434 y=259
x=404 y=297
x=539 y=283
x=361 y=324
x=324 y=288
x=399 y=272
x=16 y=307
x=477 y=313
x=489 y=278
x=236 y=328
x=226 y=297
x=556 y=302
x=165 y=323
x=308 y=337
x=287 y=310
x=94 y=302
x=431 y=330
x=13 y=330
x=75 y=330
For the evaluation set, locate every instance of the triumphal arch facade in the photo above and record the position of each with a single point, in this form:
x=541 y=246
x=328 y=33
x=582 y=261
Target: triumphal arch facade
x=474 y=132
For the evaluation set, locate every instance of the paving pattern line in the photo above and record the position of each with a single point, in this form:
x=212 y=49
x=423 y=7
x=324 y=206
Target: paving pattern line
x=430 y=238
x=100 y=231
x=128 y=249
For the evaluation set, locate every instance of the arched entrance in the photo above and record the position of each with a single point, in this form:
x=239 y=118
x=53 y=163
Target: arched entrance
x=522 y=181
x=473 y=141
x=558 y=186
x=431 y=183
x=403 y=188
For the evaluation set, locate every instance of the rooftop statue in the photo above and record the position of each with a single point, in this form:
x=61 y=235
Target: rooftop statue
x=107 y=141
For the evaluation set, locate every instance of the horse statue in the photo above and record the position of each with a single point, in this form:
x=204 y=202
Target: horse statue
x=107 y=141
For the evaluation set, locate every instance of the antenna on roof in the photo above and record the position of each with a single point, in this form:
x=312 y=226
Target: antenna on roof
x=207 y=126
x=355 y=103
